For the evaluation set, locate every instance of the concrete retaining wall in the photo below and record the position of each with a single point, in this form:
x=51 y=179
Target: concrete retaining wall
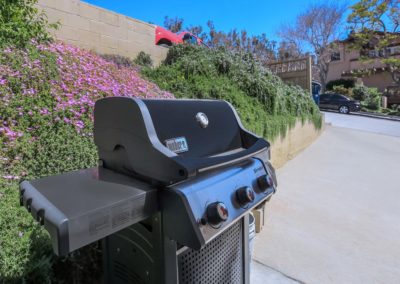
x=297 y=139
x=101 y=30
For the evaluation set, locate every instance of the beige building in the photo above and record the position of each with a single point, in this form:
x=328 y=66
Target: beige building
x=346 y=64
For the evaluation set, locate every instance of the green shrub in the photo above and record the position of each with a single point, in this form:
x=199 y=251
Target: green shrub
x=373 y=99
x=395 y=107
x=143 y=59
x=345 y=83
x=360 y=92
x=21 y=21
x=119 y=60
x=370 y=97
x=25 y=253
x=343 y=90
x=394 y=110
x=265 y=104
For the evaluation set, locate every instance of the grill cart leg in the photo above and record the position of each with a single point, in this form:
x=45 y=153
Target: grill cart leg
x=246 y=248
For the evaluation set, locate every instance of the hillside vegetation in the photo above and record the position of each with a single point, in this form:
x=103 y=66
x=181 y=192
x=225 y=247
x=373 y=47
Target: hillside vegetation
x=47 y=94
x=265 y=104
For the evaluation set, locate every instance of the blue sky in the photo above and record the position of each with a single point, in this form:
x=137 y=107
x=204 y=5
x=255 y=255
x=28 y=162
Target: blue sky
x=255 y=16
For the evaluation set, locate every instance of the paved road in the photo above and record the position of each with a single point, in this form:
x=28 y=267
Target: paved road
x=336 y=215
x=375 y=125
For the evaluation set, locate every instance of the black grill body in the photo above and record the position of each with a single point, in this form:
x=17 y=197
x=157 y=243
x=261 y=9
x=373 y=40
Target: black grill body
x=171 y=196
x=141 y=254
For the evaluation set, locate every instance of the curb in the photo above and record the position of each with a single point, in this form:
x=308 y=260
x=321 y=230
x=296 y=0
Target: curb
x=368 y=114
x=379 y=116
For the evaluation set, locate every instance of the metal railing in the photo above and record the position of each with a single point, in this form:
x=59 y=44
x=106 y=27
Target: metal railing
x=288 y=66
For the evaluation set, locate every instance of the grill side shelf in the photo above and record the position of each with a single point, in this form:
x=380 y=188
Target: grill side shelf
x=81 y=207
x=43 y=211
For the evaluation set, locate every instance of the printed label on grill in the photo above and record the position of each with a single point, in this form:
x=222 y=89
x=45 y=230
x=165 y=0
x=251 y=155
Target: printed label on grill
x=98 y=222
x=177 y=145
x=120 y=214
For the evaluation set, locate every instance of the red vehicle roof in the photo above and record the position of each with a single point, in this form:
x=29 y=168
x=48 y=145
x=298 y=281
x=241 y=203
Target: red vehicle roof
x=164 y=36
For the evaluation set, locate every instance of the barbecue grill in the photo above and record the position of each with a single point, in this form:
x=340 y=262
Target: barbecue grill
x=170 y=198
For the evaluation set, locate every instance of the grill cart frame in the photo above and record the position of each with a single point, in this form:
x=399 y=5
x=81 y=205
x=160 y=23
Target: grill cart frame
x=162 y=260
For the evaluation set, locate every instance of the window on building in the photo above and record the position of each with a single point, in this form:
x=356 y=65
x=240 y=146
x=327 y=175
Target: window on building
x=394 y=50
x=335 y=56
x=373 y=53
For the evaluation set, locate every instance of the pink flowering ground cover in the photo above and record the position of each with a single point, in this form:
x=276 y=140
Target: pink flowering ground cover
x=83 y=77
x=58 y=83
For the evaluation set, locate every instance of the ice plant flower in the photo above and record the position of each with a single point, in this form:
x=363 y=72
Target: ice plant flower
x=83 y=78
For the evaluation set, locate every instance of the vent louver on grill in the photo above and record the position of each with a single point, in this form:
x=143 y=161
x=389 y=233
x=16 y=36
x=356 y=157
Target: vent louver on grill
x=220 y=261
x=126 y=275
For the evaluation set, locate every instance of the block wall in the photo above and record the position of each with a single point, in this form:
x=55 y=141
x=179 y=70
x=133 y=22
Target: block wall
x=101 y=30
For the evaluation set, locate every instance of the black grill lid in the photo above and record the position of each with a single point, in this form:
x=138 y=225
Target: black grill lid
x=167 y=141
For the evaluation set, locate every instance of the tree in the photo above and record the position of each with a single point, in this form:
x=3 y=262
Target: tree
x=196 y=30
x=215 y=38
x=375 y=25
x=173 y=24
x=288 y=50
x=236 y=41
x=239 y=41
x=318 y=28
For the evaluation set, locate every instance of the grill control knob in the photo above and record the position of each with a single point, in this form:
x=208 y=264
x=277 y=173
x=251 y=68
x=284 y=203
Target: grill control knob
x=264 y=182
x=217 y=212
x=245 y=195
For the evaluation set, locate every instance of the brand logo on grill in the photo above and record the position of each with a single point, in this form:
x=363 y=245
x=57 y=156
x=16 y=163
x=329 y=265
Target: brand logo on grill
x=202 y=119
x=177 y=145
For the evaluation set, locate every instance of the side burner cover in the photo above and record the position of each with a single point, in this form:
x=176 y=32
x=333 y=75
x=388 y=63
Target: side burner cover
x=167 y=141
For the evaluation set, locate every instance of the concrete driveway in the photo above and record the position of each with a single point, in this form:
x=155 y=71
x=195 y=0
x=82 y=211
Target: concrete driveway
x=336 y=215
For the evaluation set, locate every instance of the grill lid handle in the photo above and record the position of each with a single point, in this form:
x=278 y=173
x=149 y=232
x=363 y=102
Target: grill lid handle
x=198 y=165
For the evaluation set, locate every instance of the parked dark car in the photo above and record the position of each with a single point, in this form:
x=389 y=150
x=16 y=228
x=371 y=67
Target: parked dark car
x=338 y=102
